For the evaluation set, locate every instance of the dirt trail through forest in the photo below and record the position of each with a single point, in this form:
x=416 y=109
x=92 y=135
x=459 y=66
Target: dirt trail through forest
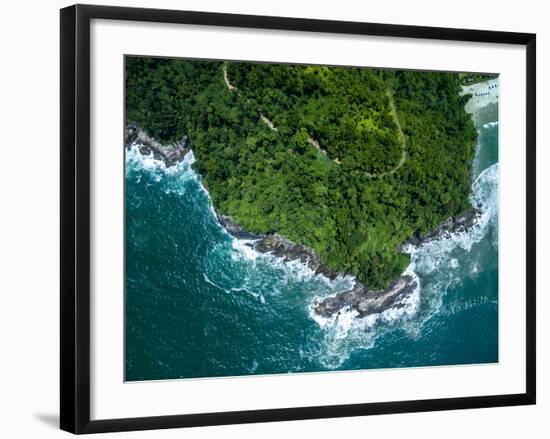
x=315 y=143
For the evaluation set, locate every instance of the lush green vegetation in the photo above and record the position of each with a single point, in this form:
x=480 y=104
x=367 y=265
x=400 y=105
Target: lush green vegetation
x=345 y=109
x=472 y=78
x=348 y=205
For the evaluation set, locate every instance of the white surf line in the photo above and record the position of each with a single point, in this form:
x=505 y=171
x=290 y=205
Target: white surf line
x=207 y=279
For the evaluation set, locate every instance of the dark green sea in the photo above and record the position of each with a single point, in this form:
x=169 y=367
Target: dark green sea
x=199 y=303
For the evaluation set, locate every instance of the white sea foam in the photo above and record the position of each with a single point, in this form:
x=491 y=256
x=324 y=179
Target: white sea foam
x=264 y=274
x=490 y=124
x=299 y=271
x=254 y=367
x=243 y=249
x=433 y=259
x=465 y=305
x=429 y=256
x=182 y=171
x=408 y=305
x=134 y=158
x=207 y=279
x=245 y=289
x=344 y=332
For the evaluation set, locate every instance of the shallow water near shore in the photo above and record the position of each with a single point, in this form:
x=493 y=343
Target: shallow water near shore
x=199 y=303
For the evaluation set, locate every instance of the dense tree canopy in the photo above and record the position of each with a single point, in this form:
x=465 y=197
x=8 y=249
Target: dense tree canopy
x=351 y=199
x=472 y=78
x=345 y=109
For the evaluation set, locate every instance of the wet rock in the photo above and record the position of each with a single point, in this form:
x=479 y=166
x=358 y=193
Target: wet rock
x=367 y=302
x=290 y=251
x=278 y=246
x=359 y=298
x=170 y=154
x=235 y=229
x=455 y=224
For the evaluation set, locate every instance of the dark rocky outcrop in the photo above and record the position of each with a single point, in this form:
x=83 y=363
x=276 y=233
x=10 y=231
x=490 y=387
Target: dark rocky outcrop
x=170 y=154
x=290 y=251
x=359 y=298
x=367 y=302
x=454 y=224
x=278 y=246
x=235 y=229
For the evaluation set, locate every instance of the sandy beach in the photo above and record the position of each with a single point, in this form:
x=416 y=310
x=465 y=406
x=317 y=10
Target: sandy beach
x=483 y=94
x=483 y=105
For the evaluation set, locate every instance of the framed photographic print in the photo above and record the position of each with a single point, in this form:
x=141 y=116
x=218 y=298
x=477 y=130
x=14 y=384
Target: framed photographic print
x=268 y=218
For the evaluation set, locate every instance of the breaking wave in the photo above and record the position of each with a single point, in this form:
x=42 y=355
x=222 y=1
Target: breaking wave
x=235 y=268
x=436 y=268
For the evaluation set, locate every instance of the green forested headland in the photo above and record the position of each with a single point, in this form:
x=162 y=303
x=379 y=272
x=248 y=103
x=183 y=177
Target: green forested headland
x=365 y=189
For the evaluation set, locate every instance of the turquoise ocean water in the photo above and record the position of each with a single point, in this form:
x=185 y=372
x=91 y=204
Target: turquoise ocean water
x=199 y=303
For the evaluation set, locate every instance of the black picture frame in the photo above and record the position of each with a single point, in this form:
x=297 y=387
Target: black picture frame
x=75 y=217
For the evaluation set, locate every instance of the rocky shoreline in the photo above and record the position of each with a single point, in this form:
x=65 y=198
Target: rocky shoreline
x=170 y=154
x=279 y=246
x=235 y=229
x=367 y=302
x=452 y=225
x=359 y=298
